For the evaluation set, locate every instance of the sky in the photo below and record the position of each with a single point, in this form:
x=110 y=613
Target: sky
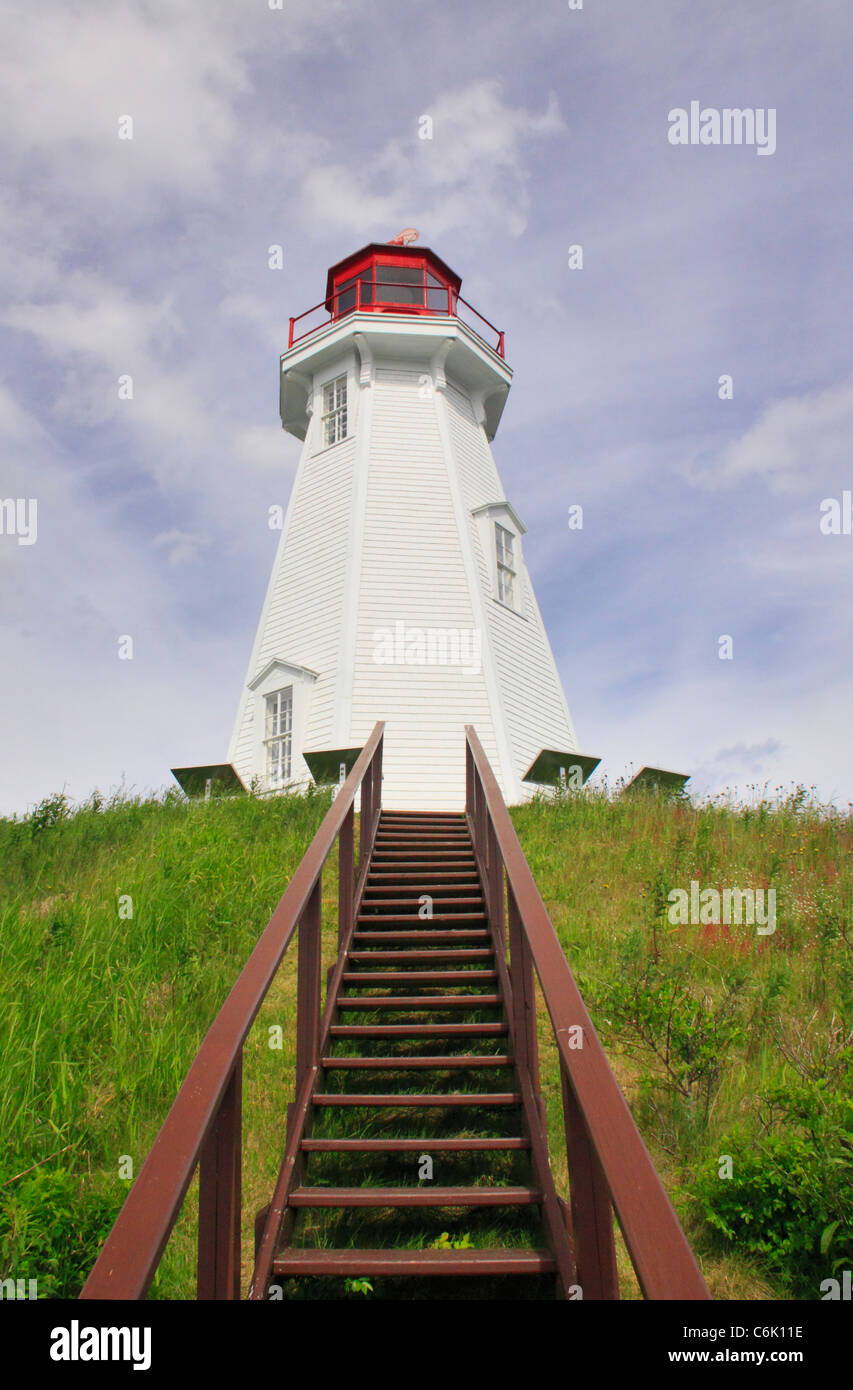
x=299 y=126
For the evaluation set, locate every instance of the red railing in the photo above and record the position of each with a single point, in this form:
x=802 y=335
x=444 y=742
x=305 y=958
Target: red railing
x=203 y=1127
x=608 y=1163
x=440 y=299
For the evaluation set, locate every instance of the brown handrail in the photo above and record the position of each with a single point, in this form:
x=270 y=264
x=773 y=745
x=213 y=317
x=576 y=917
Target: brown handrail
x=607 y=1159
x=203 y=1127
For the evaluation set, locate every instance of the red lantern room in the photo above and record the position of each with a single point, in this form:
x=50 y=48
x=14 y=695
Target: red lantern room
x=384 y=278
x=394 y=277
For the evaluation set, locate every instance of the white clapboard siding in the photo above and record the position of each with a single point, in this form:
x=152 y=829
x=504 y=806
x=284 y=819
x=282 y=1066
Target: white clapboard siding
x=534 y=707
x=303 y=610
x=412 y=572
x=380 y=539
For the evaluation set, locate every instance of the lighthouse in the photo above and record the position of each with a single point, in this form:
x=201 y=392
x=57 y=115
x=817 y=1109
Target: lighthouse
x=399 y=589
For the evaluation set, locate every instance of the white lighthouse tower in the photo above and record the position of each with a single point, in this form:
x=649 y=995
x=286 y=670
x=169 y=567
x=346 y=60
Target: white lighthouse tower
x=399 y=590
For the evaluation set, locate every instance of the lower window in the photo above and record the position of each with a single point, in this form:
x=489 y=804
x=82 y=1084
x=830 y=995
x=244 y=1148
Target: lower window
x=279 y=736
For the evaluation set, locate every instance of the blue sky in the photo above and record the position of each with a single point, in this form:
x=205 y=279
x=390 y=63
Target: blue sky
x=256 y=126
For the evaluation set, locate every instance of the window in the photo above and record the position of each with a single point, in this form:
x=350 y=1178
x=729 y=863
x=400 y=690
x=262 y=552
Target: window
x=400 y=284
x=504 y=545
x=438 y=297
x=334 y=411
x=350 y=295
x=279 y=731
x=500 y=529
x=407 y=284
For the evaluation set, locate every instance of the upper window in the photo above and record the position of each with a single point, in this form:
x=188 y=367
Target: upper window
x=279 y=737
x=335 y=410
x=505 y=549
x=400 y=284
x=355 y=292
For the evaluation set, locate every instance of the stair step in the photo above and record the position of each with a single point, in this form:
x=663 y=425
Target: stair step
x=403 y=957
x=428 y=1196
x=417 y=977
x=448 y=1098
x=293 y=1261
x=393 y=876
x=412 y=834
x=414 y=890
x=391 y=837
x=451 y=936
x=416 y=856
x=417 y=1030
x=414 y=917
x=419 y=1146
x=422 y=1001
x=444 y=905
x=424 y=848
x=466 y=1060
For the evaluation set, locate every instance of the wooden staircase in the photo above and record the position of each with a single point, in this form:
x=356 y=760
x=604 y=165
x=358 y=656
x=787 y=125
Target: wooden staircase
x=416 y=1143
x=420 y=1064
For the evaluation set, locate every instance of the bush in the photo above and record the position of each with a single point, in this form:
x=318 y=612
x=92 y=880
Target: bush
x=789 y=1200
x=52 y=1226
x=682 y=1029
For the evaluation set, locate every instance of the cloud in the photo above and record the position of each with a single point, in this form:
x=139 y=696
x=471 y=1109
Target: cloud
x=300 y=127
x=181 y=547
x=797 y=442
x=101 y=62
x=96 y=320
x=739 y=760
x=263 y=449
x=17 y=425
x=469 y=175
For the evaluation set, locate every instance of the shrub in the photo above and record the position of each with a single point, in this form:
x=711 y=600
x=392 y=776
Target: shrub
x=789 y=1200
x=52 y=1225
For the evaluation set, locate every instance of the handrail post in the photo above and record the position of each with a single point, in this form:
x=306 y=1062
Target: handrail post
x=523 y=994
x=469 y=779
x=290 y=336
x=377 y=759
x=308 y=986
x=592 y=1213
x=481 y=823
x=346 y=882
x=219 y=1197
x=496 y=886
x=366 y=814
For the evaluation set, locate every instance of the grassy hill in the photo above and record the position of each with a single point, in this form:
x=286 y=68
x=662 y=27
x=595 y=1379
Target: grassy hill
x=123 y=925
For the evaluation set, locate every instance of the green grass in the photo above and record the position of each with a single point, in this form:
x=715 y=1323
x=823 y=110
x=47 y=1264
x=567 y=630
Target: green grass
x=101 y=1015
x=758 y=1063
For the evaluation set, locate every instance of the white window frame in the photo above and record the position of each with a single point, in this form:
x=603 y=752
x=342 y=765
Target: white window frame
x=280 y=675
x=504 y=558
x=278 y=737
x=505 y=565
x=334 y=415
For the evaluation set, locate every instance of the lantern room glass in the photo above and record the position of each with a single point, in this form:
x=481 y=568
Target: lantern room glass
x=391 y=284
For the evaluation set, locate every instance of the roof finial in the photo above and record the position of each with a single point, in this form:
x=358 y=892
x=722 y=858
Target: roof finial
x=404 y=238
